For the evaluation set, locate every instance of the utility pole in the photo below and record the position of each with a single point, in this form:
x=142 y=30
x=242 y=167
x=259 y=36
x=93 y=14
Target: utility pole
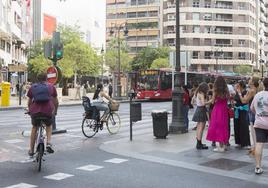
x=177 y=125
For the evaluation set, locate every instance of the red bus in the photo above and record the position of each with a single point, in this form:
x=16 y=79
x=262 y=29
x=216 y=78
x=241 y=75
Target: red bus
x=154 y=84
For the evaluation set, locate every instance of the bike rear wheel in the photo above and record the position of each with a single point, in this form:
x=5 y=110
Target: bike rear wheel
x=113 y=123
x=40 y=153
x=89 y=127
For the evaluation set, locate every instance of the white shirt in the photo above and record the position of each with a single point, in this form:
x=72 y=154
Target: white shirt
x=260 y=104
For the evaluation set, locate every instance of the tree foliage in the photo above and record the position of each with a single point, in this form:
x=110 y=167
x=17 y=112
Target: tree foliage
x=111 y=56
x=78 y=56
x=145 y=58
x=243 y=69
x=160 y=63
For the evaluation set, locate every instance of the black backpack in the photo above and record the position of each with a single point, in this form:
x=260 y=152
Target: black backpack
x=40 y=92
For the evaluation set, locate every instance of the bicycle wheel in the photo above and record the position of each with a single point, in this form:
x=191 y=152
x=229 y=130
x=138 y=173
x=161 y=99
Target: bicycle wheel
x=89 y=127
x=40 y=153
x=113 y=123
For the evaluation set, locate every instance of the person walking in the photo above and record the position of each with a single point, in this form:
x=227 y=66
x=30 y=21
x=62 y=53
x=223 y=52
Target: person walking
x=218 y=127
x=200 y=115
x=186 y=103
x=241 y=122
x=259 y=106
x=248 y=98
x=193 y=100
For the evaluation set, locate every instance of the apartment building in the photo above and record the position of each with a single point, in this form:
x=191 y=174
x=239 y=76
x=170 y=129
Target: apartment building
x=142 y=19
x=262 y=24
x=219 y=34
x=13 y=56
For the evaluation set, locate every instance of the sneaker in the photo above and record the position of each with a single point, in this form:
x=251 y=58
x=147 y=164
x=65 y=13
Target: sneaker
x=258 y=170
x=49 y=148
x=30 y=153
x=219 y=149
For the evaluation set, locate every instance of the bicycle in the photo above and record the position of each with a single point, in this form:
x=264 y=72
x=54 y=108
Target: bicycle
x=92 y=123
x=40 y=142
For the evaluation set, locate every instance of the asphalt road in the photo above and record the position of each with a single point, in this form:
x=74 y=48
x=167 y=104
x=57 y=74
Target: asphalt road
x=78 y=162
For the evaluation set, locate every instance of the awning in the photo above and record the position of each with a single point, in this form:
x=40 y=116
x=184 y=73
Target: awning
x=17 y=68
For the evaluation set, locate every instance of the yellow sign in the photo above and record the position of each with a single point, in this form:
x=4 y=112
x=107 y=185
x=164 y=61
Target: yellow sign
x=149 y=72
x=5 y=94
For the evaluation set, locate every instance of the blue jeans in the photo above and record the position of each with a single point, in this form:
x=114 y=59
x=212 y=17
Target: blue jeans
x=185 y=116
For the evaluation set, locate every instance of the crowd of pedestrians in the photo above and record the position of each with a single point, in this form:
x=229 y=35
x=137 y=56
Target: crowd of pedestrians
x=244 y=102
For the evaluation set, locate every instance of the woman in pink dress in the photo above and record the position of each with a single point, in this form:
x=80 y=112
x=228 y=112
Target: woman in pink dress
x=218 y=126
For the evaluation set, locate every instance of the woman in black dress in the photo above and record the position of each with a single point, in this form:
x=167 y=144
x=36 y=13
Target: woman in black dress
x=241 y=121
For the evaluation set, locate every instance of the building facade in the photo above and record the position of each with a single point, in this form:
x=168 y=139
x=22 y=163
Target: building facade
x=218 y=34
x=142 y=18
x=13 y=33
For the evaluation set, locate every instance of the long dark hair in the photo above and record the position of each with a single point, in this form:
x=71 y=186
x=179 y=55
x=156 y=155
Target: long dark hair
x=99 y=88
x=220 y=87
x=202 y=88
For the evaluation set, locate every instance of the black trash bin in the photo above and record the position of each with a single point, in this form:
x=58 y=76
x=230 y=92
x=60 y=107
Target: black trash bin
x=160 y=123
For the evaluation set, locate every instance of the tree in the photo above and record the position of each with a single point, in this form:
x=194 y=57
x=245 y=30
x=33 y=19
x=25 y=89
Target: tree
x=111 y=56
x=36 y=66
x=243 y=69
x=145 y=58
x=160 y=63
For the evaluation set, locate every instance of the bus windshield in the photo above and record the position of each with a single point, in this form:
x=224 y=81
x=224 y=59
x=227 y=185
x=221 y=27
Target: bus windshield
x=148 y=82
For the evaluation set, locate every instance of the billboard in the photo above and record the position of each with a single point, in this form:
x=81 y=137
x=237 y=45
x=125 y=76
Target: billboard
x=50 y=24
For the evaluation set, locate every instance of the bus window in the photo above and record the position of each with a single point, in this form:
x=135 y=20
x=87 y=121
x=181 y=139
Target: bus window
x=165 y=80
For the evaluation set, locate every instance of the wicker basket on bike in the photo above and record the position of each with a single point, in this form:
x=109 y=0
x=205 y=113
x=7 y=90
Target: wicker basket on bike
x=114 y=106
x=91 y=111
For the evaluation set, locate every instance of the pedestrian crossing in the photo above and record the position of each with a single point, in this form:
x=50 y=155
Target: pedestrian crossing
x=61 y=176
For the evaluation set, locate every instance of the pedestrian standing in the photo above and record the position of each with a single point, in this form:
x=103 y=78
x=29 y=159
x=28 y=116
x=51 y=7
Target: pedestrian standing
x=241 y=121
x=200 y=115
x=248 y=98
x=193 y=99
x=78 y=92
x=218 y=130
x=186 y=103
x=110 y=90
x=259 y=106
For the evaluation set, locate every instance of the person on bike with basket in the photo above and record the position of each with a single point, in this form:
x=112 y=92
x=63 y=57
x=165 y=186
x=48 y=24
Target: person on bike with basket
x=99 y=103
x=42 y=104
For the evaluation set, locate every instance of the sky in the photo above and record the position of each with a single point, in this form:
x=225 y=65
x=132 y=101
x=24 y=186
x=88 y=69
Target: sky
x=81 y=12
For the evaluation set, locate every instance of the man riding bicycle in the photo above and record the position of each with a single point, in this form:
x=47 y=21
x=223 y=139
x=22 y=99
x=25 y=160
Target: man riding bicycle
x=42 y=105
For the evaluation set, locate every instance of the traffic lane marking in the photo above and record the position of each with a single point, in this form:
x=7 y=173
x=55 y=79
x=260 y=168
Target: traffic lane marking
x=116 y=160
x=90 y=167
x=14 y=141
x=22 y=185
x=58 y=176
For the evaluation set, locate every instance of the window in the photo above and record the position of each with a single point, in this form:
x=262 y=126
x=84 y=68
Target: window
x=207 y=3
x=207 y=16
x=142 y=14
x=183 y=16
x=2 y=44
x=208 y=55
x=131 y=14
x=242 y=55
x=207 y=42
x=196 y=42
x=142 y=2
x=171 y=17
x=195 y=3
x=196 y=29
x=207 y=29
x=241 y=42
x=195 y=54
x=241 y=6
x=8 y=47
x=196 y=16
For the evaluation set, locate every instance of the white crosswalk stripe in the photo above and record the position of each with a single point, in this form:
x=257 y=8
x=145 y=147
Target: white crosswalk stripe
x=90 y=167
x=22 y=185
x=58 y=176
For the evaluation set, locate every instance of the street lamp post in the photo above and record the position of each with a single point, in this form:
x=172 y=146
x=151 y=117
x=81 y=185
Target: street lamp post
x=118 y=30
x=177 y=125
x=102 y=61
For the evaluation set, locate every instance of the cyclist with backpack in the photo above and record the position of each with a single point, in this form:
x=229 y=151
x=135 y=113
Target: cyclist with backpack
x=42 y=103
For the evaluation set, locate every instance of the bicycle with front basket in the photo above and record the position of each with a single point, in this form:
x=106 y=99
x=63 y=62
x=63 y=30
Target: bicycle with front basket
x=92 y=123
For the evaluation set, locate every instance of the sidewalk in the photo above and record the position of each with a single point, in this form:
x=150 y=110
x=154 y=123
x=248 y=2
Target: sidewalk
x=179 y=151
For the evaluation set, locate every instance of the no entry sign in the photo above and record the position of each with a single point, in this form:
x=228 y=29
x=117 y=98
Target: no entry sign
x=52 y=75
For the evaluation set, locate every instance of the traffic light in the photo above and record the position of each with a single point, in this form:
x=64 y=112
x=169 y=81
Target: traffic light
x=58 y=51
